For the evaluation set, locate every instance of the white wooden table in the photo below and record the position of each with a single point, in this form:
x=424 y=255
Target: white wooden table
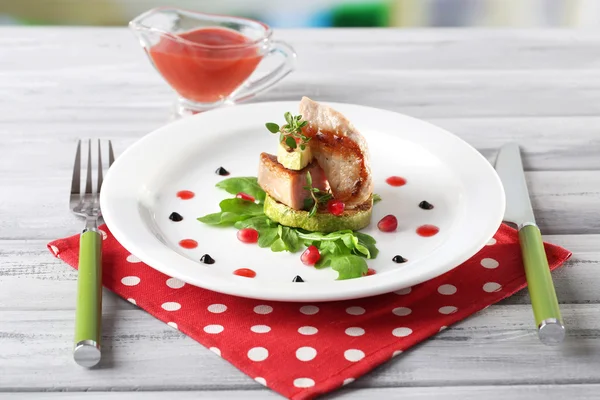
x=541 y=88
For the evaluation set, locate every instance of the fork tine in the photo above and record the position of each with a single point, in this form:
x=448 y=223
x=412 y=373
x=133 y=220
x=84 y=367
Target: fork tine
x=76 y=180
x=99 y=185
x=88 y=178
x=111 y=154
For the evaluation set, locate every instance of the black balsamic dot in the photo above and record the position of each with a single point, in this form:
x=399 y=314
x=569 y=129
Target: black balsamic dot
x=176 y=217
x=297 y=279
x=206 y=259
x=399 y=259
x=425 y=205
x=222 y=171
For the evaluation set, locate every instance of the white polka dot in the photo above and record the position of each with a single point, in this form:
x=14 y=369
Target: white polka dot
x=216 y=351
x=491 y=242
x=306 y=353
x=175 y=283
x=260 y=380
x=307 y=330
x=354 y=355
x=492 y=287
x=172 y=324
x=54 y=250
x=130 y=280
x=401 y=332
x=355 y=310
x=442 y=328
x=260 y=329
x=258 y=354
x=104 y=235
x=309 y=310
x=489 y=263
x=132 y=301
x=171 y=306
x=402 y=311
x=304 y=382
x=347 y=381
x=447 y=289
x=447 y=310
x=397 y=352
x=217 y=308
x=133 y=259
x=213 y=329
x=355 y=331
x=262 y=309
x=403 y=291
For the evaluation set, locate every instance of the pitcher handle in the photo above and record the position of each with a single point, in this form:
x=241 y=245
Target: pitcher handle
x=252 y=88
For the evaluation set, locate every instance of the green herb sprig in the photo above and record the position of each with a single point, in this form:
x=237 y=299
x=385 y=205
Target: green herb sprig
x=318 y=196
x=291 y=131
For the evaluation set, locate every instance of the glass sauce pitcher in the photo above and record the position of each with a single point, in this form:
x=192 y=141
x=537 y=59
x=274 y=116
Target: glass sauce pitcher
x=208 y=59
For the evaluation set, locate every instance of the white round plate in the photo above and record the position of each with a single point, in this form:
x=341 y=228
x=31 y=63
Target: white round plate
x=139 y=194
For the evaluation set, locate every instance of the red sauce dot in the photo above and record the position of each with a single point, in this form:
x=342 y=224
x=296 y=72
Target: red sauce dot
x=188 y=243
x=185 y=194
x=371 y=271
x=396 y=181
x=245 y=272
x=427 y=230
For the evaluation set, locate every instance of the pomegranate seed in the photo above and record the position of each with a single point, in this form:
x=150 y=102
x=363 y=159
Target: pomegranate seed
x=245 y=196
x=389 y=223
x=248 y=235
x=371 y=271
x=336 y=207
x=310 y=256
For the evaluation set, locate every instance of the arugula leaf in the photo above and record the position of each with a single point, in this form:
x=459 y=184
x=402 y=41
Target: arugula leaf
x=232 y=211
x=248 y=185
x=241 y=206
x=278 y=245
x=289 y=236
x=258 y=223
x=368 y=242
x=349 y=266
x=267 y=236
x=211 y=219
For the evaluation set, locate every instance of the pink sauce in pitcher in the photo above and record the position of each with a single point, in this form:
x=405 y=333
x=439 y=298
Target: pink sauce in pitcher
x=209 y=71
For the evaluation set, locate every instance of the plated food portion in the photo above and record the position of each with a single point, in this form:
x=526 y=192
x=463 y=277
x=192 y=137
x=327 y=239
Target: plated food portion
x=316 y=192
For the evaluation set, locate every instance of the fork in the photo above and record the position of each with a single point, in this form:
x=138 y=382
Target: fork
x=86 y=204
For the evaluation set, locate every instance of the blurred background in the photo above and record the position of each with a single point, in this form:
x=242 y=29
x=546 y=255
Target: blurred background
x=319 y=13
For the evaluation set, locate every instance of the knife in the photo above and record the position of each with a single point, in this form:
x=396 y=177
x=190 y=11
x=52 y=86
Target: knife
x=548 y=319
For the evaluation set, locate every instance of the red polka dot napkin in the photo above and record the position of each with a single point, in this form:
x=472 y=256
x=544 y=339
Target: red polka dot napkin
x=304 y=350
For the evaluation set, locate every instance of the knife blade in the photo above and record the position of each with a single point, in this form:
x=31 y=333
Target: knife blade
x=509 y=166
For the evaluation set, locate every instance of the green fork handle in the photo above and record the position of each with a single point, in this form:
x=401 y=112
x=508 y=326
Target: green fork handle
x=547 y=315
x=89 y=300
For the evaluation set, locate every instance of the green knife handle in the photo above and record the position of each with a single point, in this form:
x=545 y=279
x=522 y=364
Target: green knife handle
x=541 y=288
x=89 y=300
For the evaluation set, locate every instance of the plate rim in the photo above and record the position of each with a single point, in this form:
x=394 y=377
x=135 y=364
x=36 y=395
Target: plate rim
x=249 y=290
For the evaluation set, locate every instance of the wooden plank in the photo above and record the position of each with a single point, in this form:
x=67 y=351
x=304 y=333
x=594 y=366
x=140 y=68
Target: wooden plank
x=449 y=77
x=28 y=264
x=497 y=346
x=565 y=202
x=549 y=392
x=383 y=48
x=548 y=143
